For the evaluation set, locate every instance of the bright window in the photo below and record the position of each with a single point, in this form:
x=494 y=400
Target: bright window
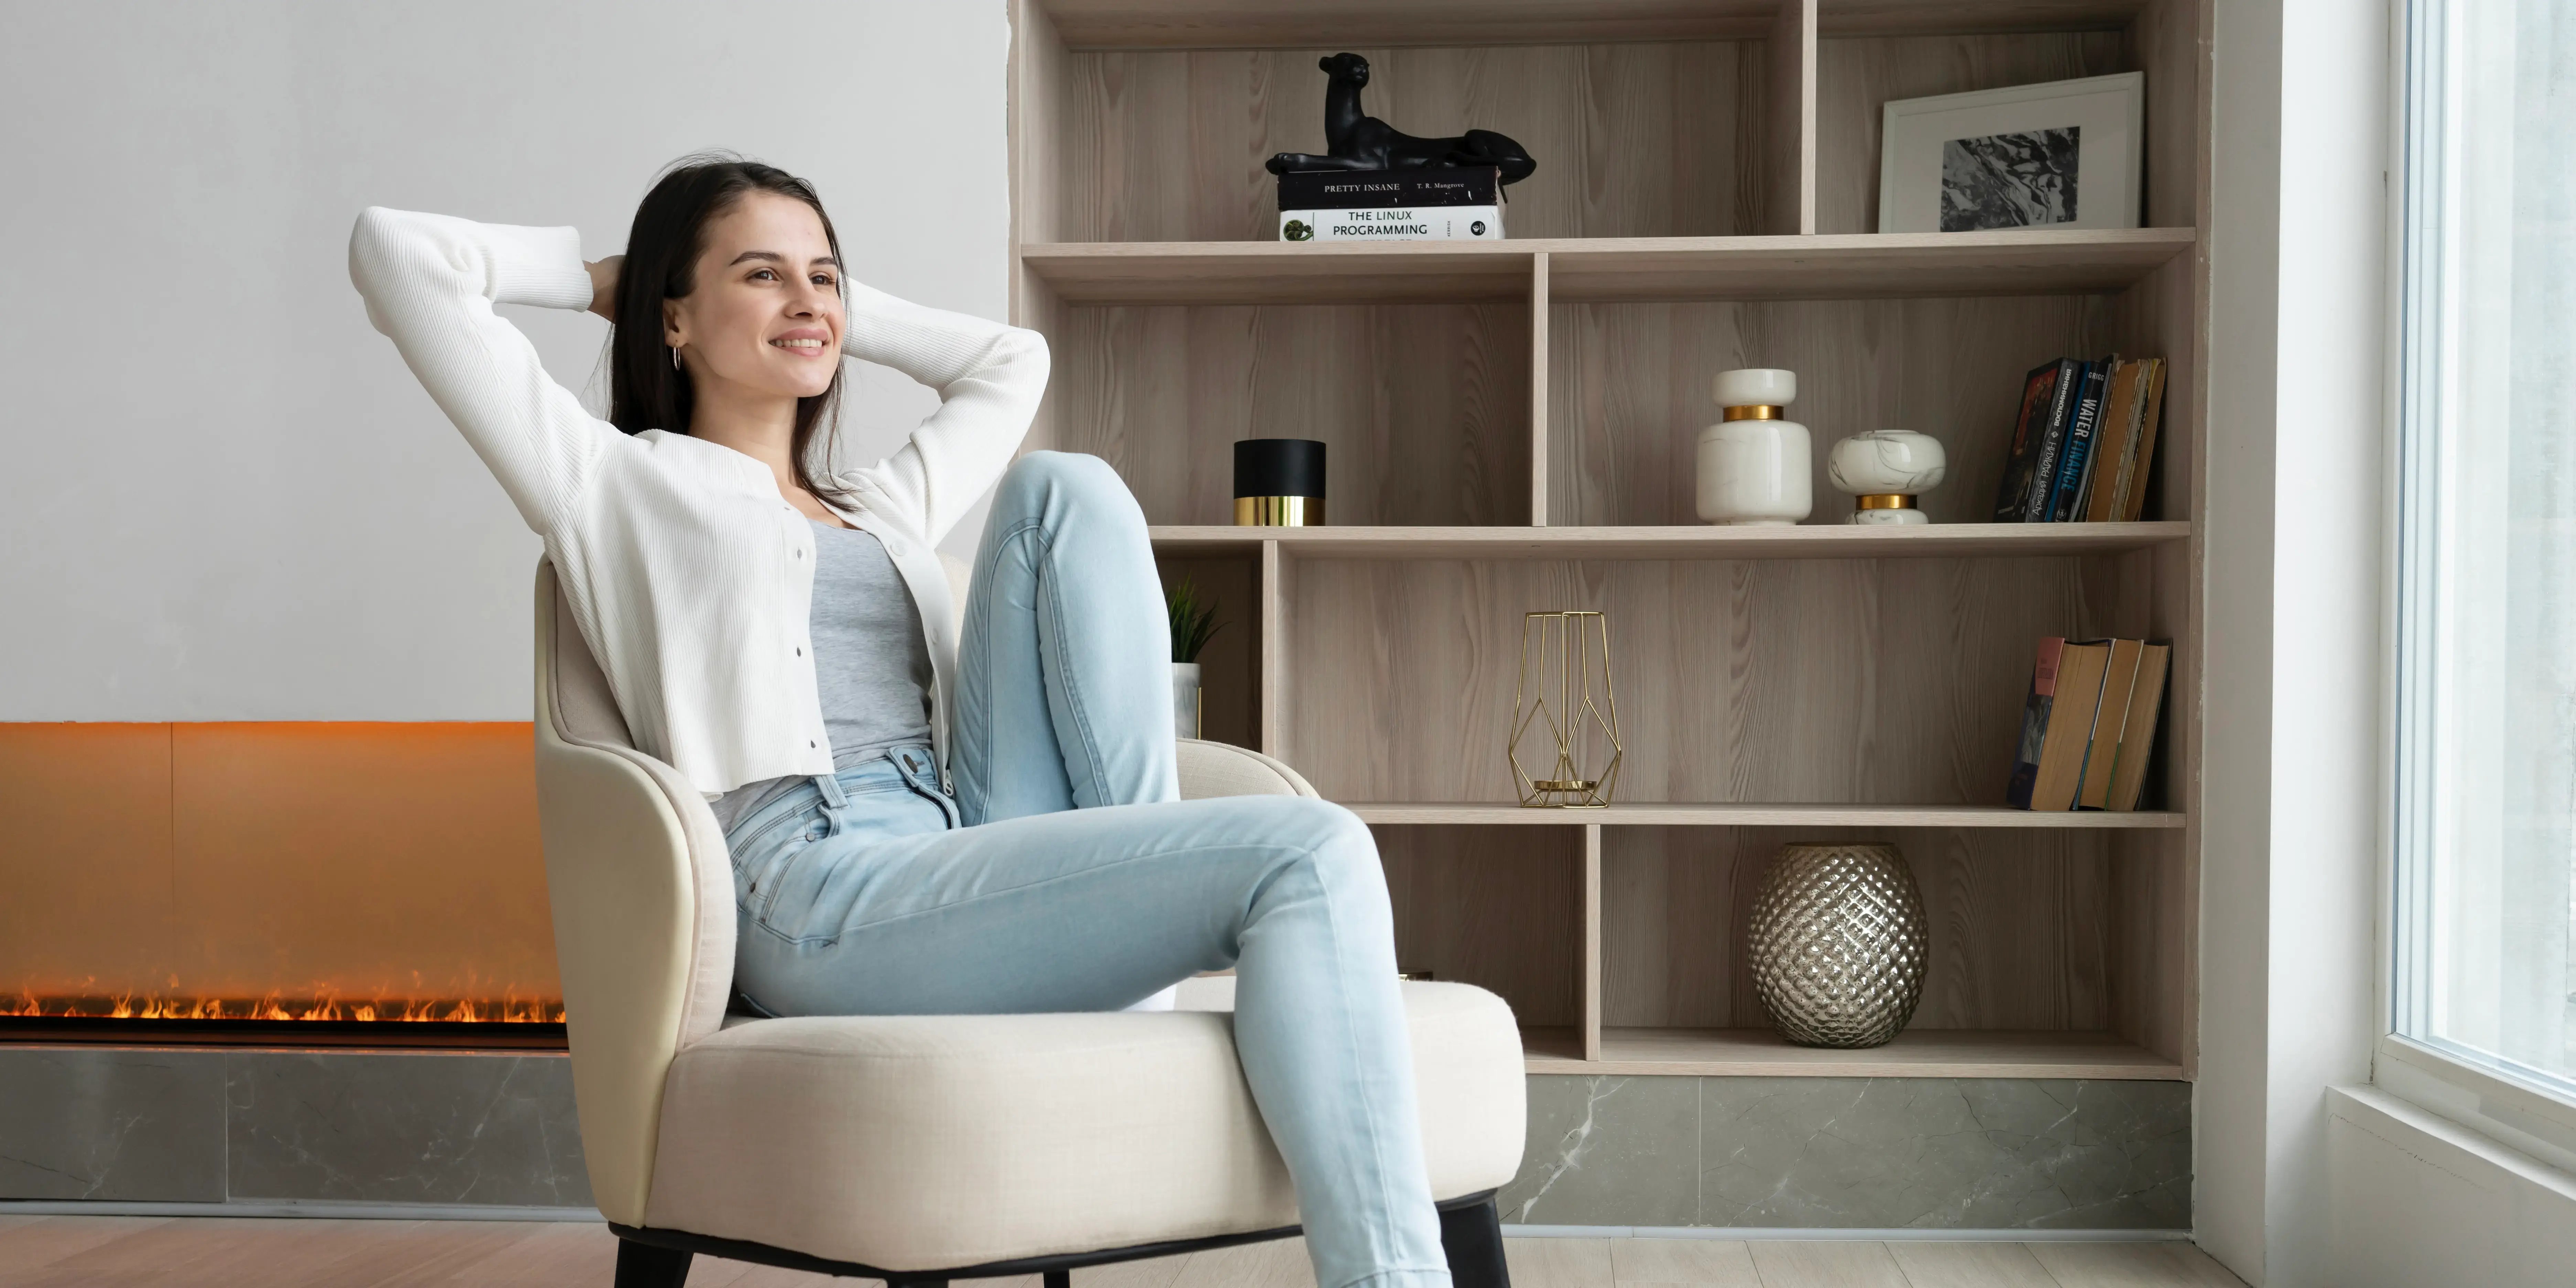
x=2485 y=902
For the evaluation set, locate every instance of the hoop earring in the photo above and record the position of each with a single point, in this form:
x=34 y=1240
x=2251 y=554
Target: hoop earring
x=675 y=359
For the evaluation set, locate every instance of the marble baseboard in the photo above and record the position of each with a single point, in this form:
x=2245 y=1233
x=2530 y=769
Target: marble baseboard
x=123 y=1124
x=137 y=1125
x=111 y=1123
x=1871 y=1153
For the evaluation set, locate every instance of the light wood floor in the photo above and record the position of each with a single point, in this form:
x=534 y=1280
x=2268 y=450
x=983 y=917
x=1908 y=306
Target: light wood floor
x=194 y=1252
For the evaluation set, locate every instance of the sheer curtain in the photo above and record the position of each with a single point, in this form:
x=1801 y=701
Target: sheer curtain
x=2487 y=629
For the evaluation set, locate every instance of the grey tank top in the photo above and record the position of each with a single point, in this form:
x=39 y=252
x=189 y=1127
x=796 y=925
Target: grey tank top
x=871 y=661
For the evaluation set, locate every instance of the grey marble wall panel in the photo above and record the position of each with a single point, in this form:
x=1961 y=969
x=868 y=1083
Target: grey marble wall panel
x=410 y=1127
x=1608 y=1151
x=111 y=1123
x=1924 y=1153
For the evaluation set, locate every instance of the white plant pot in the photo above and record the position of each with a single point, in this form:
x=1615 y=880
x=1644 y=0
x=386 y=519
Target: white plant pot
x=1185 y=700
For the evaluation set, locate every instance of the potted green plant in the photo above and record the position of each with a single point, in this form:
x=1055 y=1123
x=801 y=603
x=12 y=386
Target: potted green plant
x=1192 y=625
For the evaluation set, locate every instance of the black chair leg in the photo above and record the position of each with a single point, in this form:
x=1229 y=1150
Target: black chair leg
x=641 y=1265
x=1473 y=1238
x=1059 y=1279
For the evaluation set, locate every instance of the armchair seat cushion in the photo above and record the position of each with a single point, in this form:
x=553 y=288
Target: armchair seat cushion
x=938 y=1142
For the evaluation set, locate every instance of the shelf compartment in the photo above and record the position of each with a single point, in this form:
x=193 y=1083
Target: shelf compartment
x=1497 y=909
x=1425 y=408
x=1844 y=266
x=1916 y=1053
x=1661 y=814
x=1808 y=686
x=1804 y=541
x=1628 y=389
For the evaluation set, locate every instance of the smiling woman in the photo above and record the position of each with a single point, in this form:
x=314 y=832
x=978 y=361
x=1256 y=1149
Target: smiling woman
x=742 y=338
x=922 y=817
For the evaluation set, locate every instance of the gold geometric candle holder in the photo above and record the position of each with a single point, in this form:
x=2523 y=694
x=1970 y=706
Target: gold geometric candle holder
x=1564 y=713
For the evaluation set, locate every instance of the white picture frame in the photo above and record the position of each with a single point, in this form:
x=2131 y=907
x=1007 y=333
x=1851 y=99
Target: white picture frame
x=2015 y=158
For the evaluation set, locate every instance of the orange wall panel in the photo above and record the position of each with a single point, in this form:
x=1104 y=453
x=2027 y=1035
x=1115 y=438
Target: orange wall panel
x=377 y=860
x=86 y=887
x=235 y=861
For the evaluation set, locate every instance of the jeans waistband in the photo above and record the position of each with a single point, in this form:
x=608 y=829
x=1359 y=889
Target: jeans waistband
x=914 y=766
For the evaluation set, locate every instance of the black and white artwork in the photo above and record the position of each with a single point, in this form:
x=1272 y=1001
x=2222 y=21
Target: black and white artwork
x=2015 y=180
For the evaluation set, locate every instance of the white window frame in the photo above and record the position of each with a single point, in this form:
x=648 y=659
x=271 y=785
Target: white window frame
x=2527 y=1109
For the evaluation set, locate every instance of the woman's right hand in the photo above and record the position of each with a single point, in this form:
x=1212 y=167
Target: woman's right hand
x=603 y=285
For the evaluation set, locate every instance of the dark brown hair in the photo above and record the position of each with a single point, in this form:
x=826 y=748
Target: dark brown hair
x=645 y=389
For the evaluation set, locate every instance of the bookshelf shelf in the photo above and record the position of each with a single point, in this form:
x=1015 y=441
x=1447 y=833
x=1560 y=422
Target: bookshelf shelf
x=1510 y=428
x=1916 y=1053
x=1687 y=814
x=1804 y=541
x=1650 y=269
x=1254 y=24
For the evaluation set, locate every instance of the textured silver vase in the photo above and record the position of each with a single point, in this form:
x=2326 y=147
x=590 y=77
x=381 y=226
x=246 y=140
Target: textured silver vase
x=1837 y=944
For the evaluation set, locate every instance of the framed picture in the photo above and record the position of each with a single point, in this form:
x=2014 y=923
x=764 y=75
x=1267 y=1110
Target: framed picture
x=2062 y=155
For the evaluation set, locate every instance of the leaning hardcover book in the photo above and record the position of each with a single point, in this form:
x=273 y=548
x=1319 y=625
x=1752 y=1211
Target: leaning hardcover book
x=2115 y=444
x=2034 y=724
x=2081 y=667
x=2021 y=462
x=1463 y=203
x=2042 y=478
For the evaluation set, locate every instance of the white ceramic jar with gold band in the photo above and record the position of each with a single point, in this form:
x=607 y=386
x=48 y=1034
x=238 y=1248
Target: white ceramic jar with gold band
x=1755 y=463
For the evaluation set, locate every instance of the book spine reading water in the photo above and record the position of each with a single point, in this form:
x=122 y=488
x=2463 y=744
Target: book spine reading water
x=2083 y=442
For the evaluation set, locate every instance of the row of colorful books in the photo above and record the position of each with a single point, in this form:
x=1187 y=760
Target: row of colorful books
x=2083 y=442
x=2089 y=726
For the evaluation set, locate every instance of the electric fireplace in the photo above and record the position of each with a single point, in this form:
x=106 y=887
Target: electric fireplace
x=306 y=884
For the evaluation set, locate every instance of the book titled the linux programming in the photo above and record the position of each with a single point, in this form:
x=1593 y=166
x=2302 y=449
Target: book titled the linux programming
x=1461 y=204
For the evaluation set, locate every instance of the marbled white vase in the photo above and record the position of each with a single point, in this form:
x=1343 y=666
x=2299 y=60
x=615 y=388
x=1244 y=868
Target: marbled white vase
x=1883 y=470
x=1838 y=944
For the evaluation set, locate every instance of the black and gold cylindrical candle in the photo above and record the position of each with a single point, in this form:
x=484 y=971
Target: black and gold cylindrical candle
x=1278 y=483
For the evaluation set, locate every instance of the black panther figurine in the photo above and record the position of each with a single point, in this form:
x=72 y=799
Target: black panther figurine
x=1363 y=142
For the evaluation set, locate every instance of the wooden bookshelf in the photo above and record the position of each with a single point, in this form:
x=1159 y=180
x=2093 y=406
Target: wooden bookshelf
x=1511 y=427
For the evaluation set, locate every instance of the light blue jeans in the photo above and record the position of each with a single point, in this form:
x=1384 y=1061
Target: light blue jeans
x=1068 y=875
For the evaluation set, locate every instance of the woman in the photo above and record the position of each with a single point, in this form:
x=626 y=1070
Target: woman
x=918 y=825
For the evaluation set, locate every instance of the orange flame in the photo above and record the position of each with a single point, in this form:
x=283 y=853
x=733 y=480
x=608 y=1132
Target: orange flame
x=322 y=1004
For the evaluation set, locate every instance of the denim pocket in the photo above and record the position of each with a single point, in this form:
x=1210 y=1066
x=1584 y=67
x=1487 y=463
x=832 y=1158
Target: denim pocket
x=775 y=868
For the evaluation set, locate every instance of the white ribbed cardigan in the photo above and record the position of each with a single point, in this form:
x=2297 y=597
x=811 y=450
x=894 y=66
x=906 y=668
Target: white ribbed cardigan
x=688 y=573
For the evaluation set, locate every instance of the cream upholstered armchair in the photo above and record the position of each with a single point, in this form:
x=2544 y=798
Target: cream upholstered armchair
x=918 y=1149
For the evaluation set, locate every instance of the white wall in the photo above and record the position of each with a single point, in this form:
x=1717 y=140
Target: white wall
x=2419 y=1200
x=2291 y=770
x=222 y=496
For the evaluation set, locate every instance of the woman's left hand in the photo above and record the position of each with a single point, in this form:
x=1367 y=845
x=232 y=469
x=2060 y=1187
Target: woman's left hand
x=603 y=285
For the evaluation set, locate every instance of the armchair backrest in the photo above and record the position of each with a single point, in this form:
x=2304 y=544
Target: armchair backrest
x=642 y=893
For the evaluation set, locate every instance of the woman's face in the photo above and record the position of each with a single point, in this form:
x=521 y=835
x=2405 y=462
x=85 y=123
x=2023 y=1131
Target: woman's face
x=764 y=312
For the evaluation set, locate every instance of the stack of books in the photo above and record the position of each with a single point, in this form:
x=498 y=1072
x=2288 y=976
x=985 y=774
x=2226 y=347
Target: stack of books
x=2083 y=442
x=2089 y=726
x=1462 y=203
